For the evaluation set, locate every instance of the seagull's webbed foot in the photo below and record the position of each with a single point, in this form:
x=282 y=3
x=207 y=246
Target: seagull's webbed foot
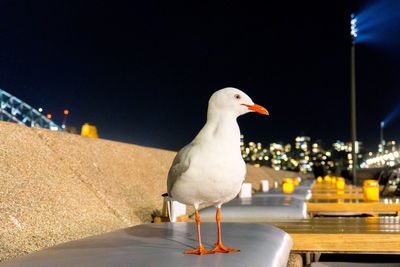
x=223 y=249
x=199 y=251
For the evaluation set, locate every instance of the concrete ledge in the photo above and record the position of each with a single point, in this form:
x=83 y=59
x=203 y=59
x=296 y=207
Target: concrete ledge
x=259 y=209
x=163 y=244
x=299 y=193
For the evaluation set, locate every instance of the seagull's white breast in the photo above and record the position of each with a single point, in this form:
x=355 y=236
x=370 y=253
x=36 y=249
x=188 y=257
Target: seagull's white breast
x=211 y=168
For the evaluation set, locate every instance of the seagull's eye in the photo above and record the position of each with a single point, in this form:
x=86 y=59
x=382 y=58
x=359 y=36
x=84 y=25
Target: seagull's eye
x=237 y=96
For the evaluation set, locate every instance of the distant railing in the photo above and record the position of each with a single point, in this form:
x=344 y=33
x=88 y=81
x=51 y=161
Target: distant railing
x=15 y=110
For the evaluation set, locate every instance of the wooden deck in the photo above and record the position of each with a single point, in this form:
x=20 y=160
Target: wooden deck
x=344 y=235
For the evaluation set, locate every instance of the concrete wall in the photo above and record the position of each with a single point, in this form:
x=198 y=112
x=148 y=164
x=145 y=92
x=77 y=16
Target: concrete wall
x=56 y=187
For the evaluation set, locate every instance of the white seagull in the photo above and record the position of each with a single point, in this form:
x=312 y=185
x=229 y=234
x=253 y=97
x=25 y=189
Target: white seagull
x=211 y=169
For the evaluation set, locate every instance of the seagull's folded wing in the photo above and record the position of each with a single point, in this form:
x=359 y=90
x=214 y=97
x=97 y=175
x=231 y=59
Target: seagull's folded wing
x=179 y=166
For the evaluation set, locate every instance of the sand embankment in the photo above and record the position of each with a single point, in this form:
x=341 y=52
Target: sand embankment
x=56 y=187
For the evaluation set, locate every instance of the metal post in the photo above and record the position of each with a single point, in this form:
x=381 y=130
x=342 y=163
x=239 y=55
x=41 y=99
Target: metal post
x=353 y=112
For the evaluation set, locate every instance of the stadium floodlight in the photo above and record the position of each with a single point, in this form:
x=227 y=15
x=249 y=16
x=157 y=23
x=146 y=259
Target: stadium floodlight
x=353 y=26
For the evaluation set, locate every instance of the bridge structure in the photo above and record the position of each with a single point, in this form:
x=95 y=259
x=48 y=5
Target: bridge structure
x=13 y=109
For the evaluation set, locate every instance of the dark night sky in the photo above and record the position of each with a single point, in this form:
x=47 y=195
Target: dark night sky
x=143 y=73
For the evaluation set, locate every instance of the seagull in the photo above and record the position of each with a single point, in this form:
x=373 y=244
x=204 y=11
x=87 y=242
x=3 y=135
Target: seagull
x=211 y=168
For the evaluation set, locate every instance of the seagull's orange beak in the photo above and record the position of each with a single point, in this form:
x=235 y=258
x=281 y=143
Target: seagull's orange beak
x=257 y=108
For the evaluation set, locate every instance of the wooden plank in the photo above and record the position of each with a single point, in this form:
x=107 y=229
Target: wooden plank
x=331 y=225
x=331 y=188
x=348 y=205
x=371 y=243
x=335 y=195
x=344 y=235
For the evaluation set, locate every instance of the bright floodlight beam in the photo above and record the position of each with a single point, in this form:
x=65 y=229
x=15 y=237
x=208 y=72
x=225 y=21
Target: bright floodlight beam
x=353 y=34
x=353 y=27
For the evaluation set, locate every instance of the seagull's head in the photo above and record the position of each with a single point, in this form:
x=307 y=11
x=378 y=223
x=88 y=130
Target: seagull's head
x=234 y=101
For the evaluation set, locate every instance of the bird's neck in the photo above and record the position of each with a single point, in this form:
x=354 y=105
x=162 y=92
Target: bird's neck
x=221 y=126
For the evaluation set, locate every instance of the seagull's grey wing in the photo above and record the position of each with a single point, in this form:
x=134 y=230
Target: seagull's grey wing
x=179 y=166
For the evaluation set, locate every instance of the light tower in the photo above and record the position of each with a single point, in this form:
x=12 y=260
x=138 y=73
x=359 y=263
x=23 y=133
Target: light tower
x=353 y=33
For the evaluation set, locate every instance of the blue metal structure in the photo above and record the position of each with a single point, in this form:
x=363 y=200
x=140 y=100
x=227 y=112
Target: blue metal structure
x=15 y=110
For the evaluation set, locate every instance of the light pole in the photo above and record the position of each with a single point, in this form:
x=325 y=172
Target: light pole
x=353 y=33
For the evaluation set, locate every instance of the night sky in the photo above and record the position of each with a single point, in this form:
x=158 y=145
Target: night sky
x=143 y=73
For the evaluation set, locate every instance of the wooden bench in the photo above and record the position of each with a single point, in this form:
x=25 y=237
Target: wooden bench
x=336 y=195
x=344 y=234
x=355 y=206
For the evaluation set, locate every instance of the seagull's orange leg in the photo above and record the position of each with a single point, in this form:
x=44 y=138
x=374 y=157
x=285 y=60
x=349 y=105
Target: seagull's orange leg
x=200 y=250
x=220 y=247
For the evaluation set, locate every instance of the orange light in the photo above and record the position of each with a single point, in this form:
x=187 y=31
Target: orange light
x=66 y=112
x=288 y=185
x=48 y=116
x=371 y=190
x=340 y=183
x=327 y=179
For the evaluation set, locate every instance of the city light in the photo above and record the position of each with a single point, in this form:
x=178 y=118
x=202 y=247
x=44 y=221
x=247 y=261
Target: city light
x=388 y=155
x=49 y=116
x=40 y=109
x=66 y=112
x=305 y=155
x=300 y=157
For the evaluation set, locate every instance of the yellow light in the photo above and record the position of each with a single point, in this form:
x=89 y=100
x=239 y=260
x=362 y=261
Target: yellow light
x=66 y=112
x=319 y=179
x=371 y=190
x=327 y=179
x=340 y=183
x=295 y=182
x=333 y=180
x=288 y=186
x=89 y=130
x=48 y=116
x=307 y=158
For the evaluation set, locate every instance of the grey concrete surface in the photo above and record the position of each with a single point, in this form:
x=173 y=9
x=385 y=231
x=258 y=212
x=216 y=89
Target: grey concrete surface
x=281 y=207
x=302 y=193
x=163 y=244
